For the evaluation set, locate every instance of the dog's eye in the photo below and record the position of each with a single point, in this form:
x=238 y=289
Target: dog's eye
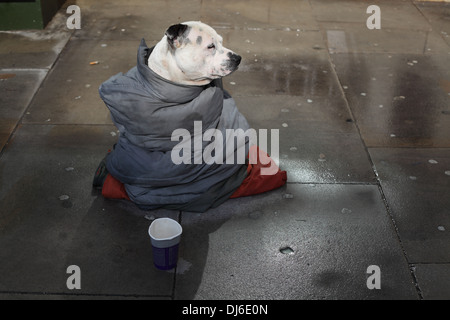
x=211 y=46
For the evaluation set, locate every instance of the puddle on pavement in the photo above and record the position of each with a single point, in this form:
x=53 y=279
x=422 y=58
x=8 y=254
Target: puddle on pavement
x=306 y=76
x=409 y=104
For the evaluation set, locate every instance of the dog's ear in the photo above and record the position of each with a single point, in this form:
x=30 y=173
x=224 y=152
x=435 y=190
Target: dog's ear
x=176 y=34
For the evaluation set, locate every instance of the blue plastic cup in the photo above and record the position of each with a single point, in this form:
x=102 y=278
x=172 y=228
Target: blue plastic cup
x=165 y=234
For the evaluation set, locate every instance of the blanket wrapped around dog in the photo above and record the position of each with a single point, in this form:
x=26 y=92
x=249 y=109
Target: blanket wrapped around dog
x=146 y=109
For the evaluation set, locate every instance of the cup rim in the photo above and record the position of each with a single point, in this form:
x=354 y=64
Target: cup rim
x=159 y=220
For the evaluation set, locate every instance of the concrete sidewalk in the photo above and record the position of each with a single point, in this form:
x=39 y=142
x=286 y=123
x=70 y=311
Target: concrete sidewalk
x=364 y=120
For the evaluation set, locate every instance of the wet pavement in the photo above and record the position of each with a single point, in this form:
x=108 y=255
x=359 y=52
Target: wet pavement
x=364 y=120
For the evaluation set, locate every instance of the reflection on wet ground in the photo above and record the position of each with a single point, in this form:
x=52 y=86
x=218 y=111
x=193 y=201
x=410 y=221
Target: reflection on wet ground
x=398 y=100
x=294 y=75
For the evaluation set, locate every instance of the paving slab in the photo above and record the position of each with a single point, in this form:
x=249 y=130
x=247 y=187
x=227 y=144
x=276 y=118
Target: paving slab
x=312 y=135
x=139 y=19
x=346 y=32
x=274 y=43
x=25 y=59
x=31 y=49
x=107 y=21
x=436 y=43
x=334 y=232
x=70 y=93
x=345 y=38
x=437 y=15
x=401 y=14
x=286 y=62
x=299 y=75
x=415 y=183
x=18 y=88
x=5 y=132
x=51 y=219
x=288 y=112
x=254 y=14
x=434 y=280
x=398 y=100
x=34 y=48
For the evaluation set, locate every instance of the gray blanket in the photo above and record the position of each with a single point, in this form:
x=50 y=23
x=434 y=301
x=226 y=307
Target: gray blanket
x=146 y=109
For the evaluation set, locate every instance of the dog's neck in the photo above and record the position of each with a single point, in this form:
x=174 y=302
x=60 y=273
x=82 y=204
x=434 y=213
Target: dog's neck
x=162 y=62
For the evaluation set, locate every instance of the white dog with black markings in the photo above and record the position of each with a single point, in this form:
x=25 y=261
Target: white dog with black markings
x=192 y=53
x=166 y=97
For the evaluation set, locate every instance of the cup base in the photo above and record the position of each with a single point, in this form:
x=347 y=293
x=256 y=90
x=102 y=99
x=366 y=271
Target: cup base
x=165 y=268
x=165 y=258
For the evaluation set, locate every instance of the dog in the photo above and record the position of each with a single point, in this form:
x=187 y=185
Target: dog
x=192 y=53
x=175 y=91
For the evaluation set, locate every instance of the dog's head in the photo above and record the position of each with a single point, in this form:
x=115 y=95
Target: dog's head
x=199 y=52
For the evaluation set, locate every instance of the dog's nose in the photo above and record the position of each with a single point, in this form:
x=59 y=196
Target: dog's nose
x=235 y=59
